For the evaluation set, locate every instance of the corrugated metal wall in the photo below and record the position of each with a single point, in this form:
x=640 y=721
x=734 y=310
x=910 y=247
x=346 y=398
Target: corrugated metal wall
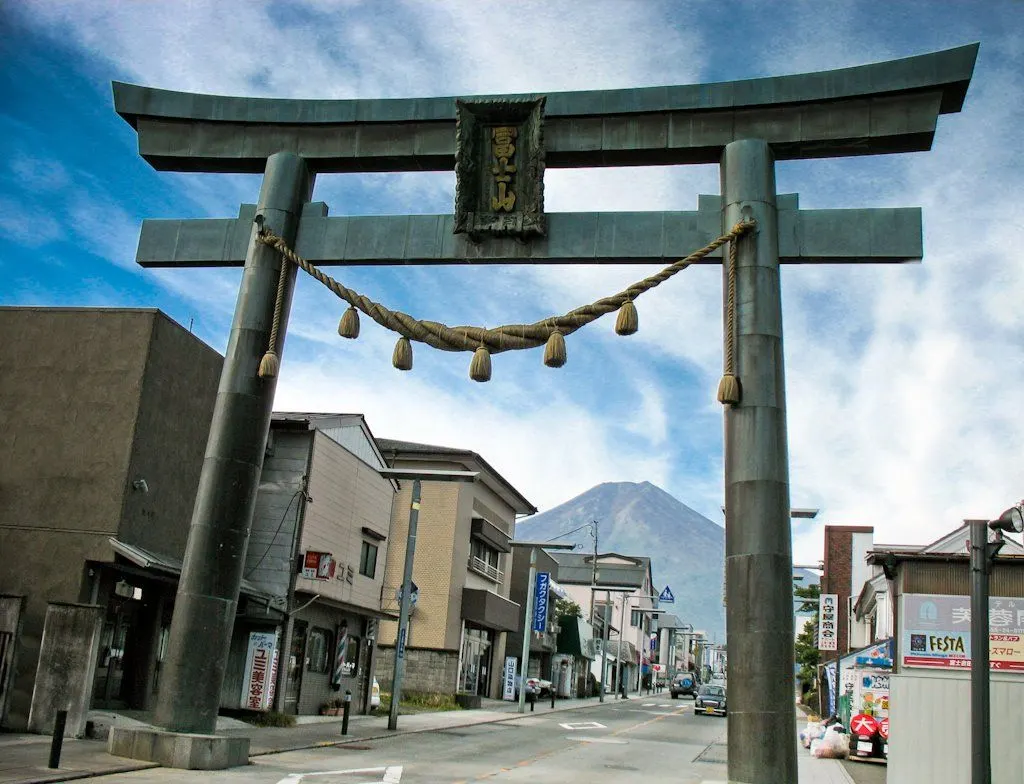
x=930 y=729
x=953 y=577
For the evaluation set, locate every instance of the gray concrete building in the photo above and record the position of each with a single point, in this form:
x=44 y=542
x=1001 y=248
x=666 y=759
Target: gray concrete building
x=317 y=549
x=104 y=415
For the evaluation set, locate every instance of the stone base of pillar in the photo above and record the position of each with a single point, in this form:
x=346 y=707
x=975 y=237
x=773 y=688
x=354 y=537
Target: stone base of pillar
x=178 y=749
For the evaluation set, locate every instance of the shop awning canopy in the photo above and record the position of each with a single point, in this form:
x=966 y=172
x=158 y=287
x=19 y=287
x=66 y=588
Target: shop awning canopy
x=490 y=610
x=170 y=566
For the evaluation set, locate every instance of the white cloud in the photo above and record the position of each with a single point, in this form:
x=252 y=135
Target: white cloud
x=903 y=384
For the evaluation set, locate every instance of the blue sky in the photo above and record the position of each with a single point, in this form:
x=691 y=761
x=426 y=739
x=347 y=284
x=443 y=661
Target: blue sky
x=903 y=383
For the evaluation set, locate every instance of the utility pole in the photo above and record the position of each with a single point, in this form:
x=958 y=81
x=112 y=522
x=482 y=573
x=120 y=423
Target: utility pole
x=403 y=614
x=593 y=577
x=527 y=629
x=983 y=555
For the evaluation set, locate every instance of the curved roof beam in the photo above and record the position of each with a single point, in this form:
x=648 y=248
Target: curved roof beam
x=879 y=108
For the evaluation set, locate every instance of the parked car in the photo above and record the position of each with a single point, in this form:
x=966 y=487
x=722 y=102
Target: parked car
x=710 y=700
x=684 y=684
x=535 y=687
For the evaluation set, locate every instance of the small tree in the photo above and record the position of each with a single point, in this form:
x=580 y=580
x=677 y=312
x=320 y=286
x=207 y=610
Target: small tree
x=567 y=608
x=807 y=655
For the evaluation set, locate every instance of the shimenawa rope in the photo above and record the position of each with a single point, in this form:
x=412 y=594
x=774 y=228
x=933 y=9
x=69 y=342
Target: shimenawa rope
x=484 y=342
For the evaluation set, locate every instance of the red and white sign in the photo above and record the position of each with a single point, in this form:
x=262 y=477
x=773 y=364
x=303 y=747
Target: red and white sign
x=883 y=728
x=864 y=725
x=318 y=566
x=260 y=669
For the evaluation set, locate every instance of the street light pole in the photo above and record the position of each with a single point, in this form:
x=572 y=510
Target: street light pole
x=607 y=614
x=983 y=554
x=618 y=652
x=403 y=615
x=527 y=629
x=405 y=602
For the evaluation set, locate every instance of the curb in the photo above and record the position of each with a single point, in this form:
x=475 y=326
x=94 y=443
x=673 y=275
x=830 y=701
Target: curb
x=57 y=776
x=385 y=736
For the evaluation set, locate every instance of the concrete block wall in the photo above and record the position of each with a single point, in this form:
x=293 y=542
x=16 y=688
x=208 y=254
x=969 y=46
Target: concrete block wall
x=425 y=670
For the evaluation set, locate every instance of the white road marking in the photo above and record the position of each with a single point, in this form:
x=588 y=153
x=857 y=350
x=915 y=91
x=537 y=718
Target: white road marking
x=392 y=775
x=584 y=739
x=583 y=725
x=650 y=704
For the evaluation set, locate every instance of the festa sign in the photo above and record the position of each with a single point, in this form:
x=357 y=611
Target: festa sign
x=936 y=633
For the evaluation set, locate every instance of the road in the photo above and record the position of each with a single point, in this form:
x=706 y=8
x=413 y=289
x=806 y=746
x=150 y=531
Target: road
x=653 y=739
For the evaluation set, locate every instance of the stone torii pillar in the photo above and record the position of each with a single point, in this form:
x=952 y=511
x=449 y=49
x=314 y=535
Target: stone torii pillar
x=744 y=126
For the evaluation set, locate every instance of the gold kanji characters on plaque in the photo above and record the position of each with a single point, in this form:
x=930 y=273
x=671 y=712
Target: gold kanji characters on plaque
x=503 y=151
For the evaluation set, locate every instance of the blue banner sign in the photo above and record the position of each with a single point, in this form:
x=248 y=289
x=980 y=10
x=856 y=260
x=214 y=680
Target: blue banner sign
x=540 y=608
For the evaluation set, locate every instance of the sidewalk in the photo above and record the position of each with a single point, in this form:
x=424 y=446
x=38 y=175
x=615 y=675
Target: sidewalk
x=813 y=770
x=23 y=757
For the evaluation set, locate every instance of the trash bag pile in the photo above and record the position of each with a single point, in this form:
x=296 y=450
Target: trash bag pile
x=825 y=739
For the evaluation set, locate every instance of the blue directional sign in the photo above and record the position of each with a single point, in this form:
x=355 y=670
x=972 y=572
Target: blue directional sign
x=666 y=596
x=540 y=608
x=414 y=594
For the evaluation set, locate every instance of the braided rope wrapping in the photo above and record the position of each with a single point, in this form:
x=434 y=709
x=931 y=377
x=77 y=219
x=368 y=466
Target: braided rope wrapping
x=509 y=337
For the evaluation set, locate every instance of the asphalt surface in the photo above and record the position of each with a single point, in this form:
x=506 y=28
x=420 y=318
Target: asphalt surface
x=649 y=738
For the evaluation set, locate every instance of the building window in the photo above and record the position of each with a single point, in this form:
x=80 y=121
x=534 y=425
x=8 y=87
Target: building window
x=368 y=560
x=635 y=618
x=318 y=650
x=485 y=560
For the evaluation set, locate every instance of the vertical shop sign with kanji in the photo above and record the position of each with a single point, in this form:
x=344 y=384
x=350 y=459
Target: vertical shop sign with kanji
x=827 y=622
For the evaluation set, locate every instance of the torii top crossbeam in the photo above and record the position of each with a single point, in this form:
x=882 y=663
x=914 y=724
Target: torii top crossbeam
x=888 y=107
x=499 y=147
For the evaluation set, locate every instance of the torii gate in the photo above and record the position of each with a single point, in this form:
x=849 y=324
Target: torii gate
x=745 y=126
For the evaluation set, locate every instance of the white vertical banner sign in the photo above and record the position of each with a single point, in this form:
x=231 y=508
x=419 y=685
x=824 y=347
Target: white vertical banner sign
x=828 y=604
x=257 y=686
x=509 y=681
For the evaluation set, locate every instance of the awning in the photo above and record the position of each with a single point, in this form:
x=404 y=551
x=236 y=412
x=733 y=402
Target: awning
x=490 y=534
x=490 y=610
x=575 y=639
x=166 y=564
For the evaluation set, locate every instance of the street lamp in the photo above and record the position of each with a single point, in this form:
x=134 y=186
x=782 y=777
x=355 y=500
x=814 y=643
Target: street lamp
x=410 y=550
x=529 y=611
x=622 y=628
x=983 y=555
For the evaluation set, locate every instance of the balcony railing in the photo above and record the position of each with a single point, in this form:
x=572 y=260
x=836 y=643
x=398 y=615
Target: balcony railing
x=480 y=566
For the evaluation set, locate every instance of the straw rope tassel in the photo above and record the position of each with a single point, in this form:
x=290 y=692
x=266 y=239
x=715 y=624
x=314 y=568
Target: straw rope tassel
x=730 y=392
x=549 y=332
x=270 y=365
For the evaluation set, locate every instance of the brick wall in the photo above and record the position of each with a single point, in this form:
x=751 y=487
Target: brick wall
x=837 y=579
x=435 y=541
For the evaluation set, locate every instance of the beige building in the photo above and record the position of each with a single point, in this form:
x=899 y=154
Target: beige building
x=462 y=566
x=618 y=587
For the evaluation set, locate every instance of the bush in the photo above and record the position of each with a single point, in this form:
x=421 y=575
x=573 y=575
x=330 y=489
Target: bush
x=271 y=719
x=420 y=702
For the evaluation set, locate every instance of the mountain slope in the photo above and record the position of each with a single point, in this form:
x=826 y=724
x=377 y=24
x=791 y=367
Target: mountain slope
x=687 y=550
